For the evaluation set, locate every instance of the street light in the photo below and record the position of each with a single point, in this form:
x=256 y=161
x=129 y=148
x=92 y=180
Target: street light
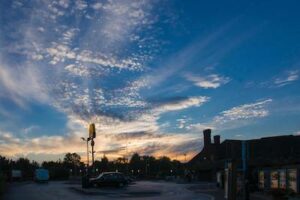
x=87 y=149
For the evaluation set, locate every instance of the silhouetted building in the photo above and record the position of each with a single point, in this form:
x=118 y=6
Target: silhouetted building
x=265 y=155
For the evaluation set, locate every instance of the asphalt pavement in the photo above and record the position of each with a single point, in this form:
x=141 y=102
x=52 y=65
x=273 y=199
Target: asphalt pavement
x=62 y=191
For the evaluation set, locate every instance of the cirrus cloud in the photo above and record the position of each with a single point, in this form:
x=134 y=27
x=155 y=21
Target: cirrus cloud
x=211 y=81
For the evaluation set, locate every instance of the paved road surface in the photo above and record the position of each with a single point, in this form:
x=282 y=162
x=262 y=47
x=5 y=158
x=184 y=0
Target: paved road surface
x=140 y=190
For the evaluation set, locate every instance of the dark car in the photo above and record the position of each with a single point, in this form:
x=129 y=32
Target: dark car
x=109 y=179
x=130 y=179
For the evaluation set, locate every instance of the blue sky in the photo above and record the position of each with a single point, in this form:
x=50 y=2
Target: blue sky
x=150 y=74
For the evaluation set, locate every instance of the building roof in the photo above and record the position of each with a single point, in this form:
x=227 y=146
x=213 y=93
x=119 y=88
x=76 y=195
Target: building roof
x=266 y=150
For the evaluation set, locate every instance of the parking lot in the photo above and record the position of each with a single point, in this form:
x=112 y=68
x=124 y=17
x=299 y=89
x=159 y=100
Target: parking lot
x=63 y=190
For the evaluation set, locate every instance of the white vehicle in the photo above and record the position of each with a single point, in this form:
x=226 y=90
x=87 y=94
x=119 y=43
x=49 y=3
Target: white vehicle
x=16 y=175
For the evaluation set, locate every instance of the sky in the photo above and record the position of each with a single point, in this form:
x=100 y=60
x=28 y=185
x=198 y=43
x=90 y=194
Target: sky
x=151 y=74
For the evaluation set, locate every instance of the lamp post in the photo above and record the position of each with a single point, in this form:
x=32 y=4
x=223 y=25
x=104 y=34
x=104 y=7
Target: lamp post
x=87 y=151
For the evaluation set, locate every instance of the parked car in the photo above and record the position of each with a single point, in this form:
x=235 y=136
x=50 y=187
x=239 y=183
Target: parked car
x=129 y=179
x=41 y=175
x=109 y=179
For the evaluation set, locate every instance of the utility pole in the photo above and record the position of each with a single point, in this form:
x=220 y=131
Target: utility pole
x=245 y=171
x=87 y=153
x=93 y=160
x=230 y=180
x=146 y=167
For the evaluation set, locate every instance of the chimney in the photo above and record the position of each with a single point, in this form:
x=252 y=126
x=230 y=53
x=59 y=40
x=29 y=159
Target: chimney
x=207 y=137
x=217 y=139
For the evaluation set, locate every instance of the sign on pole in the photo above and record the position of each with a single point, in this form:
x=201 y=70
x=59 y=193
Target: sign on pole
x=92 y=131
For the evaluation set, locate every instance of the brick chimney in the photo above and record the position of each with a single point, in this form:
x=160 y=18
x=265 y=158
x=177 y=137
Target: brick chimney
x=207 y=137
x=217 y=139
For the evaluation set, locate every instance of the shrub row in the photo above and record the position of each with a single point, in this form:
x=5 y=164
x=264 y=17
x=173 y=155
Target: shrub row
x=2 y=183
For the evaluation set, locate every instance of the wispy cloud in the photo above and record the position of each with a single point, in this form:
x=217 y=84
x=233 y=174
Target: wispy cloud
x=181 y=123
x=30 y=129
x=22 y=84
x=60 y=53
x=181 y=104
x=285 y=78
x=211 y=81
x=288 y=78
x=205 y=51
x=246 y=111
x=199 y=126
x=186 y=56
x=235 y=117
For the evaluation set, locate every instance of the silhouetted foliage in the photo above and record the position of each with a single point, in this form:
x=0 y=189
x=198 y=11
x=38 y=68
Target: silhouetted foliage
x=4 y=168
x=57 y=170
x=2 y=183
x=23 y=164
x=72 y=163
x=72 y=160
x=138 y=166
x=142 y=166
x=149 y=166
x=102 y=165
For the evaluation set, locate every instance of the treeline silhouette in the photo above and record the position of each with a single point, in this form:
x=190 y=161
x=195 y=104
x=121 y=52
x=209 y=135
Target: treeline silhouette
x=71 y=165
x=142 y=166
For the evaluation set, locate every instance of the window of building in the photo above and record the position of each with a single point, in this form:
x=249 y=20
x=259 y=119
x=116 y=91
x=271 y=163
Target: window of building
x=274 y=179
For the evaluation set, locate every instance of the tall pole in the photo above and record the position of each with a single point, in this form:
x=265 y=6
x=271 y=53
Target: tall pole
x=92 y=144
x=87 y=154
x=245 y=172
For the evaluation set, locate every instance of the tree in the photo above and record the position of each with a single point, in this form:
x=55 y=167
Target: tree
x=165 y=165
x=149 y=165
x=104 y=162
x=4 y=165
x=57 y=170
x=26 y=167
x=102 y=165
x=72 y=159
x=72 y=162
x=135 y=162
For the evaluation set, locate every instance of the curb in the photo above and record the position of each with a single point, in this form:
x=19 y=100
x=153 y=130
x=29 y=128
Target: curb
x=208 y=195
x=117 y=195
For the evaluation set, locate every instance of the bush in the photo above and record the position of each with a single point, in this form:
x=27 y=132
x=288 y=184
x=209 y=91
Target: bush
x=2 y=183
x=281 y=194
x=59 y=174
